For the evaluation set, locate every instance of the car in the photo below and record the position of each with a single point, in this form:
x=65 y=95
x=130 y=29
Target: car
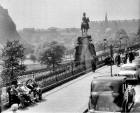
x=137 y=61
x=111 y=94
x=130 y=70
x=136 y=53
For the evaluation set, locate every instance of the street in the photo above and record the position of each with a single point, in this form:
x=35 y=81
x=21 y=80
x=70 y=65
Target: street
x=71 y=97
x=48 y=47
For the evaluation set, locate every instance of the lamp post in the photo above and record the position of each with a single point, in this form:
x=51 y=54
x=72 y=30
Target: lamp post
x=104 y=44
x=120 y=42
x=126 y=42
x=111 y=54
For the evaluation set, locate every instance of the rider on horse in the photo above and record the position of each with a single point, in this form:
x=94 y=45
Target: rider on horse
x=84 y=25
x=85 y=19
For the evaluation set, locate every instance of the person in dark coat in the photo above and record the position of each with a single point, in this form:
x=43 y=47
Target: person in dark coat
x=14 y=95
x=118 y=59
x=131 y=56
x=23 y=92
x=126 y=57
x=34 y=87
x=78 y=50
x=93 y=53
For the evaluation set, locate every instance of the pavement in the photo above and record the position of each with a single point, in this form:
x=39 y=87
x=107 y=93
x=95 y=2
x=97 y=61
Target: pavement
x=71 y=97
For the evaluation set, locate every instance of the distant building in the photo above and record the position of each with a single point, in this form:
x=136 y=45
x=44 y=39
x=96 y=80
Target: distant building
x=99 y=28
x=106 y=21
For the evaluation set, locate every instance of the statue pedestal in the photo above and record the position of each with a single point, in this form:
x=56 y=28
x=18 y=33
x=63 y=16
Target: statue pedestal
x=81 y=38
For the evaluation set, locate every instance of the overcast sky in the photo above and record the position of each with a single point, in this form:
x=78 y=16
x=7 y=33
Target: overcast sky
x=67 y=13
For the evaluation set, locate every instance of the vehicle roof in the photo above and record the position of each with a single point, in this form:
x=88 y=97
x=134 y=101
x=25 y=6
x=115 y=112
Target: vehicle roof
x=136 y=60
x=107 y=84
x=129 y=64
x=138 y=57
x=108 y=78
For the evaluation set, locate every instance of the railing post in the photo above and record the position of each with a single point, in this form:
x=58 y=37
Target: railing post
x=72 y=68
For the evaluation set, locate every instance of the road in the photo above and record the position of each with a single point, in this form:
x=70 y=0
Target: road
x=71 y=97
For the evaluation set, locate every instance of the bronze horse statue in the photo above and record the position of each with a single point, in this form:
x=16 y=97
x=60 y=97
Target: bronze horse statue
x=85 y=51
x=85 y=26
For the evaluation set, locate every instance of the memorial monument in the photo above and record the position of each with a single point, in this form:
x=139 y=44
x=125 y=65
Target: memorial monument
x=85 y=51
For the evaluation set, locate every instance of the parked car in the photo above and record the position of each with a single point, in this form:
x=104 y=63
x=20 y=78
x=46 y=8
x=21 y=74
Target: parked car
x=136 y=53
x=109 y=61
x=137 y=61
x=110 y=94
x=130 y=70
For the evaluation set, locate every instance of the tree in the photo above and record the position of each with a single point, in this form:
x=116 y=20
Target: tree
x=12 y=56
x=123 y=37
x=138 y=33
x=53 y=55
x=122 y=33
x=33 y=58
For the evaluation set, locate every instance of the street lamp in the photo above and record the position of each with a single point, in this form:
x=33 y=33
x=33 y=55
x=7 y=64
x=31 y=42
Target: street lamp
x=126 y=43
x=104 y=44
x=120 y=42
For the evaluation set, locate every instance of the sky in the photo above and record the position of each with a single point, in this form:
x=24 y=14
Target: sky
x=68 y=13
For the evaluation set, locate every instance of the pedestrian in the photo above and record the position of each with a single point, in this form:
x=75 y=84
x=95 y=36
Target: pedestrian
x=9 y=95
x=118 y=59
x=14 y=95
x=23 y=93
x=93 y=63
x=126 y=57
x=131 y=56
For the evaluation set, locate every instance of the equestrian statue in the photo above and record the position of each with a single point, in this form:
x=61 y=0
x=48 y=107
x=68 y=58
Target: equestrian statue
x=85 y=51
x=84 y=24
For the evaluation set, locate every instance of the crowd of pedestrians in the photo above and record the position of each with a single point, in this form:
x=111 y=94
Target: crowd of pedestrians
x=120 y=58
x=124 y=57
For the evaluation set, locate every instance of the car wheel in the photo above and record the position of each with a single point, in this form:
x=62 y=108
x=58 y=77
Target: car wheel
x=139 y=78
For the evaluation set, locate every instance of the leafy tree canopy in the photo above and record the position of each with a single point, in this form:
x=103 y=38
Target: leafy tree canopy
x=138 y=31
x=33 y=57
x=121 y=33
x=12 y=56
x=53 y=55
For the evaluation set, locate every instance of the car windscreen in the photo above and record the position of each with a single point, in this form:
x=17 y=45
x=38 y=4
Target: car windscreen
x=106 y=86
x=136 y=61
x=105 y=102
